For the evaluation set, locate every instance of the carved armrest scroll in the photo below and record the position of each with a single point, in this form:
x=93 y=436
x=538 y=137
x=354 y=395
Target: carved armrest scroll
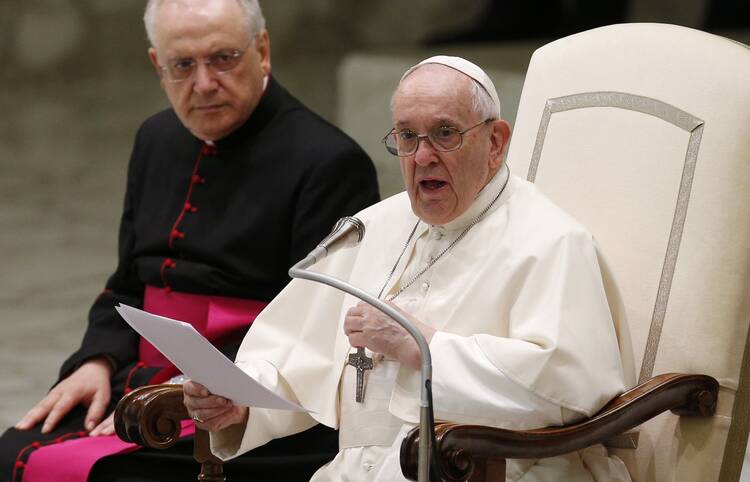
x=461 y=446
x=150 y=416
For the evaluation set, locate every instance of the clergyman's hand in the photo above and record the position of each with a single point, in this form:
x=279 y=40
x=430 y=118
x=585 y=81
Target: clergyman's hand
x=107 y=427
x=88 y=385
x=366 y=326
x=211 y=412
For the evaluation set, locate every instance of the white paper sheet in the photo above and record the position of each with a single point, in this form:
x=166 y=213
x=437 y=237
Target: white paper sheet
x=198 y=359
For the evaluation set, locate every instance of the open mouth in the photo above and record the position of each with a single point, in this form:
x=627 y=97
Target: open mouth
x=431 y=184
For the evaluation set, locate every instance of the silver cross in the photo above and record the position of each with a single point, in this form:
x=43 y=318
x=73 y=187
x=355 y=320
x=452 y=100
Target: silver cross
x=361 y=362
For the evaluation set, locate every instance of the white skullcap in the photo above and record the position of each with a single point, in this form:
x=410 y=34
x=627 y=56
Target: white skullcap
x=466 y=68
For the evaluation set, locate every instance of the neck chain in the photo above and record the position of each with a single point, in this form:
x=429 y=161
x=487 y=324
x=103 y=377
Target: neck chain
x=442 y=253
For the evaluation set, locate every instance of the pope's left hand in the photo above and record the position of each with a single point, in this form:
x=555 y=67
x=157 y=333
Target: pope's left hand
x=368 y=327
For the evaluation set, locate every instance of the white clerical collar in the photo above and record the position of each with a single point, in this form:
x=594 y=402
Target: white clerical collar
x=498 y=182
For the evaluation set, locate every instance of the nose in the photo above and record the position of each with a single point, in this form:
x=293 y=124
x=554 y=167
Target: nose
x=425 y=154
x=204 y=80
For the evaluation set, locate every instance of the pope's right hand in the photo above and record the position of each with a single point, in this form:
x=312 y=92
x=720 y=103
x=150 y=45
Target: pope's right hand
x=88 y=385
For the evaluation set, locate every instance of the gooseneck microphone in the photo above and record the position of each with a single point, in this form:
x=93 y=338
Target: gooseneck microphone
x=350 y=230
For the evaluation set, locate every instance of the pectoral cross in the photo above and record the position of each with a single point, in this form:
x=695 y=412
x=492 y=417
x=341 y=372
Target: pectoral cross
x=360 y=362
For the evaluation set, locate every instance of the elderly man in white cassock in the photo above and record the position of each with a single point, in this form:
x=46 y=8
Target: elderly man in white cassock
x=510 y=292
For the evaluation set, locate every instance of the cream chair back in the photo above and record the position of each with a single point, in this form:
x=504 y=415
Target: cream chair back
x=642 y=132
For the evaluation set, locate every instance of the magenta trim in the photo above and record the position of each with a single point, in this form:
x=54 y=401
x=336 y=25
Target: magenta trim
x=72 y=460
x=215 y=317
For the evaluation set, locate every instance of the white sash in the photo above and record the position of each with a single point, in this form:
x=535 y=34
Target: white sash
x=368 y=423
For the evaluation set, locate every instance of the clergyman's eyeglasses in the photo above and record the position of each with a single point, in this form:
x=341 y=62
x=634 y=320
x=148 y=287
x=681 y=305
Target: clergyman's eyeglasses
x=405 y=142
x=220 y=62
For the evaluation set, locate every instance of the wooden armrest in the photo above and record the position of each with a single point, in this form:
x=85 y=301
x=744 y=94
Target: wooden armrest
x=150 y=416
x=459 y=445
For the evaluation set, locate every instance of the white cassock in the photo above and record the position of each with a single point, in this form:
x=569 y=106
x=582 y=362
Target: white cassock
x=530 y=334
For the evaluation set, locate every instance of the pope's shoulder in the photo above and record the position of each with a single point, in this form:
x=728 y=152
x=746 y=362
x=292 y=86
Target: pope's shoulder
x=533 y=215
x=389 y=210
x=528 y=210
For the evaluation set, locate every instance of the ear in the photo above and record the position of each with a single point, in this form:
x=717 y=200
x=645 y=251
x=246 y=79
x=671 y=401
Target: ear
x=500 y=139
x=155 y=62
x=263 y=47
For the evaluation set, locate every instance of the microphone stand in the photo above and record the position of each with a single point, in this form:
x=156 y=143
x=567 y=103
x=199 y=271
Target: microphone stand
x=299 y=270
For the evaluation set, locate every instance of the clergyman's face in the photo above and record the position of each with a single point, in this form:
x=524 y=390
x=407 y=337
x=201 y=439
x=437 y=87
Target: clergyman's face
x=209 y=104
x=442 y=185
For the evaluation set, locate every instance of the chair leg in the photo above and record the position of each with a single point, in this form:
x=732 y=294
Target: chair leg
x=488 y=470
x=211 y=467
x=211 y=472
x=495 y=470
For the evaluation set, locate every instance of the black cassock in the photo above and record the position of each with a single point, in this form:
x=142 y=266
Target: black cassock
x=226 y=220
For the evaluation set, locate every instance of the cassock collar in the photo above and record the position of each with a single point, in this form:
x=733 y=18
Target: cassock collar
x=485 y=197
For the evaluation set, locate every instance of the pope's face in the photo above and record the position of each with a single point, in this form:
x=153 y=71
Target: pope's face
x=442 y=185
x=211 y=105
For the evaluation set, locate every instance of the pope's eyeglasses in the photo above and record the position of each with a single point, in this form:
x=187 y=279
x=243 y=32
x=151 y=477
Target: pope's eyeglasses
x=405 y=142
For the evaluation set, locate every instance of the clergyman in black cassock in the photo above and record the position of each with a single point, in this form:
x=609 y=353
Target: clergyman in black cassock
x=223 y=219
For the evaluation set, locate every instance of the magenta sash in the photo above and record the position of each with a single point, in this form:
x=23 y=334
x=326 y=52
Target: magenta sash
x=218 y=318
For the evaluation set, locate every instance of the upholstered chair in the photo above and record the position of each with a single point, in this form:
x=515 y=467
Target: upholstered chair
x=642 y=132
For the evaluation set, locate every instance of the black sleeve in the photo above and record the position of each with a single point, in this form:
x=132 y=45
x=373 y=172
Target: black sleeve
x=340 y=185
x=107 y=333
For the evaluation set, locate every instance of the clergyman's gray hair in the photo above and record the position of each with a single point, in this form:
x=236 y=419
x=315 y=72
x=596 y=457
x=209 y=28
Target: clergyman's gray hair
x=254 y=15
x=481 y=102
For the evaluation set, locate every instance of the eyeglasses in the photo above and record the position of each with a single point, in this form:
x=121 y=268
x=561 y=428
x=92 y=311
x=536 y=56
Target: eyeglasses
x=405 y=142
x=220 y=62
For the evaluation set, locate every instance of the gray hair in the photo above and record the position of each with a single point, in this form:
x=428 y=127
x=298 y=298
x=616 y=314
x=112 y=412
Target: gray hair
x=254 y=16
x=481 y=102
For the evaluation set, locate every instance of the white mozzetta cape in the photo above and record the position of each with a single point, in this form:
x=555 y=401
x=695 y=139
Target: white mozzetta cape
x=524 y=305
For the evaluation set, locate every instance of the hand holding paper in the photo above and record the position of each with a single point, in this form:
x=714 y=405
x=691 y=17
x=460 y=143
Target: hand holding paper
x=197 y=358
